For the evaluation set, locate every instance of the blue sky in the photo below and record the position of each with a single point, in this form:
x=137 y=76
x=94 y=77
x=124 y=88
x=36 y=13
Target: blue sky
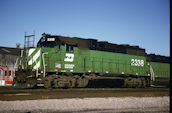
x=136 y=22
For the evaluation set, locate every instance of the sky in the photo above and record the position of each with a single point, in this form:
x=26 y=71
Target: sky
x=135 y=22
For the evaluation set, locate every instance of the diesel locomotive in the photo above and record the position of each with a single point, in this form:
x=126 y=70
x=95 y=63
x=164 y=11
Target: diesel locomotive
x=65 y=62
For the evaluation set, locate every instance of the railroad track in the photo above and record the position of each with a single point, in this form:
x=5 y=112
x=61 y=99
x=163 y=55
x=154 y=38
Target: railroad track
x=9 y=93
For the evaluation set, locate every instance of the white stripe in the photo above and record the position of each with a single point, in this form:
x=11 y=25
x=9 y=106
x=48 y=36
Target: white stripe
x=37 y=65
x=34 y=58
x=30 y=62
x=31 y=51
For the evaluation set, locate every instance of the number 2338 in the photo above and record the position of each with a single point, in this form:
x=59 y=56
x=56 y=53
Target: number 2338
x=137 y=62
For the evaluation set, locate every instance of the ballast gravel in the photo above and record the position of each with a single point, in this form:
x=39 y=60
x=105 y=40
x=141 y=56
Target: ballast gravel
x=110 y=104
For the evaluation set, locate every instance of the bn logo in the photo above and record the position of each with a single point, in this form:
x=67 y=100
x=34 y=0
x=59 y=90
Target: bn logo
x=69 y=57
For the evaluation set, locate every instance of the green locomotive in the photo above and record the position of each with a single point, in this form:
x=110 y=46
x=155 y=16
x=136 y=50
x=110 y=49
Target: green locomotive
x=60 y=62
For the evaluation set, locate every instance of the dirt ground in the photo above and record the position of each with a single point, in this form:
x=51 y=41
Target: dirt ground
x=11 y=94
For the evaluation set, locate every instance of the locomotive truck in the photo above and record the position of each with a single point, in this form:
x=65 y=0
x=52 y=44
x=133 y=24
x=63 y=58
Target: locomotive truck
x=65 y=62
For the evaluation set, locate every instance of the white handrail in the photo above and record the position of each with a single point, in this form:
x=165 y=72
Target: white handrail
x=36 y=69
x=44 y=61
x=152 y=73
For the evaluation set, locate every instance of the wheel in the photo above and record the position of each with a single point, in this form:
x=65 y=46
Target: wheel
x=143 y=82
x=48 y=82
x=82 y=82
x=31 y=83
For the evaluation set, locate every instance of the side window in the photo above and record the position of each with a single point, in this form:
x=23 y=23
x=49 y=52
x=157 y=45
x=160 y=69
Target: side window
x=52 y=44
x=69 y=48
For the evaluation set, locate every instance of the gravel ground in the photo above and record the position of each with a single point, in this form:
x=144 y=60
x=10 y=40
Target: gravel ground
x=89 y=105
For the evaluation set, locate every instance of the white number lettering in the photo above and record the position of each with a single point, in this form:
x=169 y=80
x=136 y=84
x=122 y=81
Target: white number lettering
x=132 y=62
x=137 y=62
x=142 y=63
x=50 y=39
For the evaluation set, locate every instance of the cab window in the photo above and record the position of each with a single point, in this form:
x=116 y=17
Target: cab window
x=69 y=48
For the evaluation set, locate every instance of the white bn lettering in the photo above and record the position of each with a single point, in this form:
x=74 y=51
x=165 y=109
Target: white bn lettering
x=69 y=66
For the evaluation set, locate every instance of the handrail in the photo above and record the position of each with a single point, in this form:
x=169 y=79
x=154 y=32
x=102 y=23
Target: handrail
x=44 y=61
x=7 y=71
x=3 y=72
